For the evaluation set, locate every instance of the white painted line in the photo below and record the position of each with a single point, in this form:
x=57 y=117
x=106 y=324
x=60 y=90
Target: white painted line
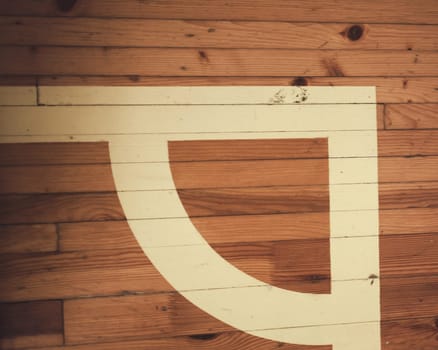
x=144 y=95
x=18 y=96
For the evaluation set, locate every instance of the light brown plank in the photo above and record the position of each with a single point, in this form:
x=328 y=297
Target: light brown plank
x=33 y=209
x=414 y=220
x=405 y=116
x=408 y=143
x=28 y=239
x=76 y=31
x=54 y=153
x=214 y=62
x=389 y=89
x=31 y=324
x=374 y=11
x=417 y=169
x=247 y=149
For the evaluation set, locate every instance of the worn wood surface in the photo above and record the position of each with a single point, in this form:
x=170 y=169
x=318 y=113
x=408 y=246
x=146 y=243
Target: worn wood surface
x=73 y=276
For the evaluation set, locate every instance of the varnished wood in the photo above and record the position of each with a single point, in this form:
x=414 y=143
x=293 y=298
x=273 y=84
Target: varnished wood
x=214 y=62
x=220 y=34
x=406 y=116
x=320 y=11
x=28 y=239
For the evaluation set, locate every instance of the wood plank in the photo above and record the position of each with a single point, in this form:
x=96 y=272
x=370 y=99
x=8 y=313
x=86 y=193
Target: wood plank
x=31 y=324
x=209 y=150
x=18 y=96
x=20 y=154
x=86 y=236
x=416 y=169
x=77 y=31
x=28 y=239
x=8 y=80
x=56 y=179
x=210 y=175
x=404 y=221
x=406 y=116
x=301 y=264
x=53 y=208
x=389 y=89
x=408 y=143
x=372 y=11
x=214 y=62
x=232 y=340
x=396 y=335
x=80 y=329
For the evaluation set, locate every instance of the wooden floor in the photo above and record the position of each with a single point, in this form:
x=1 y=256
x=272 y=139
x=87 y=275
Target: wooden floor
x=72 y=275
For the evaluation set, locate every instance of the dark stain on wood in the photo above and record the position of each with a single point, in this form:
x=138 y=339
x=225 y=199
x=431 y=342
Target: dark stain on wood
x=436 y=322
x=299 y=81
x=30 y=318
x=65 y=5
x=189 y=35
x=211 y=30
x=203 y=57
x=333 y=67
x=206 y=336
x=405 y=83
x=183 y=68
x=134 y=78
x=315 y=278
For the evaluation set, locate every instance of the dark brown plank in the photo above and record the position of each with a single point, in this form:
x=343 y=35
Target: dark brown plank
x=405 y=116
x=77 y=31
x=214 y=62
x=28 y=239
x=31 y=324
x=401 y=11
x=54 y=153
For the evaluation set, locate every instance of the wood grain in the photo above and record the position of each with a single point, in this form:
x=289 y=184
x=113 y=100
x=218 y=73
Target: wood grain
x=406 y=116
x=204 y=150
x=214 y=62
x=77 y=31
x=28 y=239
x=319 y=11
x=31 y=324
x=52 y=208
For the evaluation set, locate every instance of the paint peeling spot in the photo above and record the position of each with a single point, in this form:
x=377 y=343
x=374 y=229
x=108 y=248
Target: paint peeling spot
x=203 y=57
x=65 y=5
x=207 y=336
x=279 y=97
